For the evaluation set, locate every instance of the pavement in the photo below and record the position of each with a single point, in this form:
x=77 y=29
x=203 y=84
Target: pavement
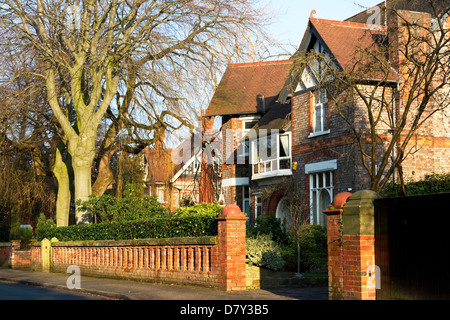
x=135 y=290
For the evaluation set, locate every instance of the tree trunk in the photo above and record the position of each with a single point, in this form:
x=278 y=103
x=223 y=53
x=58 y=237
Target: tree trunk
x=82 y=149
x=119 y=188
x=83 y=190
x=63 y=198
x=105 y=177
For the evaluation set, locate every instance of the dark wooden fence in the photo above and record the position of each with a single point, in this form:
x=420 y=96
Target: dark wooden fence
x=412 y=247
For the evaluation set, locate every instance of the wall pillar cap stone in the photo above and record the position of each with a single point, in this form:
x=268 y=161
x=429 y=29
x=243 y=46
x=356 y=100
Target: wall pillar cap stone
x=358 y=213
x=340 y=199
x=232 y=212
x=338 y=203
x=364 y=195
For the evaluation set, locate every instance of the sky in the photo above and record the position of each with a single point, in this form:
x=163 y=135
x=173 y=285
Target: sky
x=291 y=16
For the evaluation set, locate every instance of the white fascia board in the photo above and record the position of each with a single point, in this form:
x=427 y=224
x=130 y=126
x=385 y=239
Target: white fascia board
x=232 y=182
x=321 y=166
x=178 y=174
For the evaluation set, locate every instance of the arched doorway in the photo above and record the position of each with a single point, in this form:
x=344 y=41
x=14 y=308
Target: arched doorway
x=282 y=211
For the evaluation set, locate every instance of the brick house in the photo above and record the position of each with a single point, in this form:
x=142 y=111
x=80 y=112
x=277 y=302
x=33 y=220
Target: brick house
x=184 y=180
x=170 y=183
x=314 y=146
x=244 y=95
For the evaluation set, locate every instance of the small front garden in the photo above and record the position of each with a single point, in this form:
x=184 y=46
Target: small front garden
x=134 y=216
x=271 y=247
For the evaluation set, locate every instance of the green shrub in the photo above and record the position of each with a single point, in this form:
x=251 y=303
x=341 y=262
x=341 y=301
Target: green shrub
x=271 y=226
x=263 y=252
x=207 y=209
x=195 y=221
x=44 y=226
x=25 y=235
x=313 y=244
x=132 y=206
x=5 y=227
x=313 y=249
x=431 y=184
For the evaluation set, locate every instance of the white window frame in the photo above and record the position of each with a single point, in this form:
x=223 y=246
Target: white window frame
x=246 y=120
x=314 y=170
x=245 y=199
x=316 y=187
x=258 y=204
x=160 y=187
x=322 y=128
x=270 y=167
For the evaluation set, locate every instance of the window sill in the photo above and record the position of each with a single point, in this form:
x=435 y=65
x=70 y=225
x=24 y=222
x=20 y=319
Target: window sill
x=317 y=134
x=279 y=173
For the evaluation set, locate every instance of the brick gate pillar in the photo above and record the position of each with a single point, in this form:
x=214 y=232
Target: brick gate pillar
x=334 y=244
x=231 y=248
x=358 y=246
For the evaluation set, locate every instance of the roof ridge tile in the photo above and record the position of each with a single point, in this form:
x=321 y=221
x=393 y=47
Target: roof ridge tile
x=347 y=24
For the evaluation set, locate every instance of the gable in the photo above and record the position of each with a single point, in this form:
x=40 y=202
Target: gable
x=307 y=81
x=341 y=41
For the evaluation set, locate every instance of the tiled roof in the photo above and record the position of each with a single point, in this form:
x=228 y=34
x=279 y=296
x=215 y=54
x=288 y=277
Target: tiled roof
x=440 y=6
x=278 y=117
x=244 y=86
x=161 y=166
x=345 y=39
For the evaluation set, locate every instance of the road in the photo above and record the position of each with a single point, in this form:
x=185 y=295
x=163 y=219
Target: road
x=13 y=291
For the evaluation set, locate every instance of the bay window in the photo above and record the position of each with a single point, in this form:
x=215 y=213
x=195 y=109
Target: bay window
x=271 y=155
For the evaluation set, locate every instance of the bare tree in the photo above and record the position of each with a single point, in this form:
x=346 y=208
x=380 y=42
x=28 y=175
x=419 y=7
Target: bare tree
x=293 y=195
x=27 y=136
x=89 y=47
x=391 y=87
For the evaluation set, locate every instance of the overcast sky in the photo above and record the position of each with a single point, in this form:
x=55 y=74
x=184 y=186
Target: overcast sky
x=291 y=16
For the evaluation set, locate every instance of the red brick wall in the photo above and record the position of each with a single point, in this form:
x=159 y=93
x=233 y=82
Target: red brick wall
x=11 y=256
x=358 y=255
x=231 y=259
x=5 y=254
x=220 y=264
x=335 y=266
x=349 y=257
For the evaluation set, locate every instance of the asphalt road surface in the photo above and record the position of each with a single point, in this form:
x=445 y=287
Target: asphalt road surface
x=13 y=291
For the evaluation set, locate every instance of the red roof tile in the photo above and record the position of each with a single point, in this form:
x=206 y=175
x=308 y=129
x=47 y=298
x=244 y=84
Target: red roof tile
x=346 y=39
x=244 y=85
x=161 y=166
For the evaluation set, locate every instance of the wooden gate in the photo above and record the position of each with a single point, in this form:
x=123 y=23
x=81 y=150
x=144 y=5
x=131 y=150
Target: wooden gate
x=412 y=247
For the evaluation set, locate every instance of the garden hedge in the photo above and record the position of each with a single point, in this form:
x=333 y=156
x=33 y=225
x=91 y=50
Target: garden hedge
x=194 y=222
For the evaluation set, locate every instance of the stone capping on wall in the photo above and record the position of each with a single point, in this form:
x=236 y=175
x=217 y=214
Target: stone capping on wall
x=207 y=240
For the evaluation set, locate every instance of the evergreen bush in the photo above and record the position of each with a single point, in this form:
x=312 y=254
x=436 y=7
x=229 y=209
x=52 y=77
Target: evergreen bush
x=263 y=252
x=194 y=221
x=431 y=184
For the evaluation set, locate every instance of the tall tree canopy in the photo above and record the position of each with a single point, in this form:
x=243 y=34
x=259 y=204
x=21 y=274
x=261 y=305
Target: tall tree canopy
x=96 y=55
